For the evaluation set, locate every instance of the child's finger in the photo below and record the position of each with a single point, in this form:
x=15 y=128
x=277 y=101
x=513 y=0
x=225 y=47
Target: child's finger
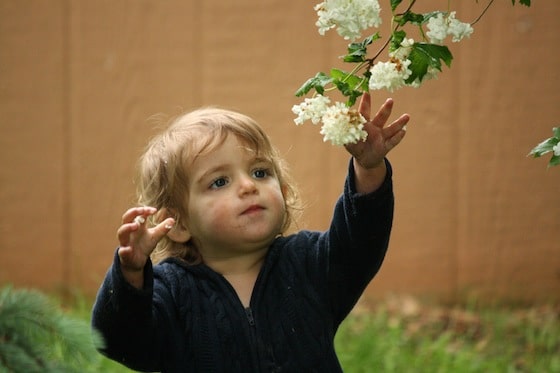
x=395 y=132
x=131 y=214
x=365 y=106
x=396 y=126
x=395 y=139
x=160 y=230
x=124 y=231
x=383 y=113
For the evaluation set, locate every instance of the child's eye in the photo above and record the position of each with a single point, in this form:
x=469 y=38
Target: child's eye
x=261 y=173
x=219 y=183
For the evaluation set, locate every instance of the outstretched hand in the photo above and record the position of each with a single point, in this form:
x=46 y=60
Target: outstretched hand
x=381 y=137
x=368 y=155
x=137 y=241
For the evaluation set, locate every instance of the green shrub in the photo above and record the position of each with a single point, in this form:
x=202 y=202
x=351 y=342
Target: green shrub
x=37 y=336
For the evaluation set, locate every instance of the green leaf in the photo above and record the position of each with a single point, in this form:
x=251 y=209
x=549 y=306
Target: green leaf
x=345 y=89
x=544 y=147
x=522 y=2
x=357 y=55
x=357 y=52
x=395 y=4
x=349 y=85
x=396 y=39
x=554 y=161
x=354 y=82
x=352 y=98
x=423 y=55
x=414 y=18
x=547 y=146
x=318 y=82
x=337 y=74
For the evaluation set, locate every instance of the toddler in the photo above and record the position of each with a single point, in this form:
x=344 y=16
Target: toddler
x=230 y=292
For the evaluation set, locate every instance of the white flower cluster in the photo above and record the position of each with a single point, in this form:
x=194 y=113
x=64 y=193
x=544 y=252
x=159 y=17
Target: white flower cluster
x=349 y=17
x=404 y=49
x=556 y=149
x=391 y=75
x=311 y=109
x=444 y=25
x=341 y=125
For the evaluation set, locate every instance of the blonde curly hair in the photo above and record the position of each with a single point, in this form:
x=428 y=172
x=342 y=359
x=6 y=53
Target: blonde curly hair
x=163 y=169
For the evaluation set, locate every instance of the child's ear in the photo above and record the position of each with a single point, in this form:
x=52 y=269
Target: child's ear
x=285 y=190
x=179 y=233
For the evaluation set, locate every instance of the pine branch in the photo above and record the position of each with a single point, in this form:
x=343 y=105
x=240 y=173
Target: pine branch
x=36 y=336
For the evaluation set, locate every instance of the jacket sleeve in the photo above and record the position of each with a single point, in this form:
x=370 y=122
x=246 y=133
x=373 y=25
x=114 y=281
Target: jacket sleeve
x=126 y=319
x=358 y=240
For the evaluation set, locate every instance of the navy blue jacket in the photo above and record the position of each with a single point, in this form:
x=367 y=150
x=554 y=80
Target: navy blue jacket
x=188 y=318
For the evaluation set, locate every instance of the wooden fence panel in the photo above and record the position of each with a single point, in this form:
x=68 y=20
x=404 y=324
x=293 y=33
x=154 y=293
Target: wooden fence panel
x=33 y=138
x=131 y=61
x=80 y=100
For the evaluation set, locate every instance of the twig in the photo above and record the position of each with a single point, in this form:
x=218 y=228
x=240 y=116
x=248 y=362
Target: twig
x=483 y=12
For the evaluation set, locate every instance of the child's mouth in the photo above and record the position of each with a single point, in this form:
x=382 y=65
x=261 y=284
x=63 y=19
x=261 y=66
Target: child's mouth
x=252 y=209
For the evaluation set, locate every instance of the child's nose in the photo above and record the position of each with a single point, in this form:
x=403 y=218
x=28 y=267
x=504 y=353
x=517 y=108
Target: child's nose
x=247 y=185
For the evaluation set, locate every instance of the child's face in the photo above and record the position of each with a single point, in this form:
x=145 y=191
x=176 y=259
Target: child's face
x=235 y=201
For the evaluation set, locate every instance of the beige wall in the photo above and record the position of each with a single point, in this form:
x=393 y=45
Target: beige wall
x=82 y=84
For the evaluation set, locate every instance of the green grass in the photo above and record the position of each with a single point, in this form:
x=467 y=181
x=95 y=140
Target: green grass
x=400 y=338
x=402 y=335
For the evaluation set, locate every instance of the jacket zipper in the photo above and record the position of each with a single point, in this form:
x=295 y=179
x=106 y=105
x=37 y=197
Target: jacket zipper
x=255 y=342
x=250 y=318
x=272 y=366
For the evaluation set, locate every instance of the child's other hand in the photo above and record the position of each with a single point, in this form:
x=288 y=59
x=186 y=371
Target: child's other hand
x=136 y=240
x=381 y=138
